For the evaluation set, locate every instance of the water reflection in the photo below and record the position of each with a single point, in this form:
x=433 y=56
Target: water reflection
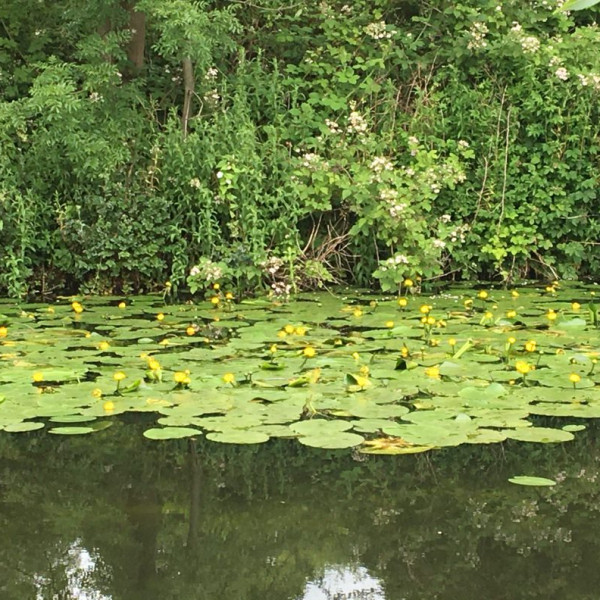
x=77 y=569
x=116 y=517
x=344 y=582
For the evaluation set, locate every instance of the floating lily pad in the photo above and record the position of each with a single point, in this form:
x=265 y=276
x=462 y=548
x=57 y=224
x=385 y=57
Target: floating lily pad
x=334 y=441
x=23 y=427
x=71 y=430
x=544 y=435
x=238 y=436
x=574 y=428
x=171 y=433
x=532 y=481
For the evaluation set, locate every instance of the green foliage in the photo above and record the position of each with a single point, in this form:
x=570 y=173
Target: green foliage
x=296 y=145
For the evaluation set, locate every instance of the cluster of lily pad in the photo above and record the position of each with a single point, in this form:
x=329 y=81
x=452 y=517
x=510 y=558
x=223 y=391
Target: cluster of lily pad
x=388 y=376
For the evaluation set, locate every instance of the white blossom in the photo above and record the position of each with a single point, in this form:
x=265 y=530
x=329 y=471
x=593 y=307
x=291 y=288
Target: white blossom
x=562 y=73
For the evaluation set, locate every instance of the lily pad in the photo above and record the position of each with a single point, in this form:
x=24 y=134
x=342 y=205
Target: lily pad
x=171 y=433
x=238 y=436
x=530 y=480
x=23 y=427
x=544 y=435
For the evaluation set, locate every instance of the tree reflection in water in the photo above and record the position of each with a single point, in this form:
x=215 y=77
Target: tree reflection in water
x=117 y=517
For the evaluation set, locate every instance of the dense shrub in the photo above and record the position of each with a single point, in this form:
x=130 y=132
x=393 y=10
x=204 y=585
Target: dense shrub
x=295 y=144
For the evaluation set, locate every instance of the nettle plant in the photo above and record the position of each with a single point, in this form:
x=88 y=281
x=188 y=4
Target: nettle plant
x=388 y=191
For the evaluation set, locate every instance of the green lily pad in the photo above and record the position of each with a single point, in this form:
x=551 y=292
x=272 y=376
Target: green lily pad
x=71 y=430
x=544 y=435
x=239 y=436
x=23 y=427
x=532 y=481
x=334 y=441
x=574 y=428
x=171 y=433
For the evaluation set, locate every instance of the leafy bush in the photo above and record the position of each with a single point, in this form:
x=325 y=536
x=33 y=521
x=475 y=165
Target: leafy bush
x=365 y=141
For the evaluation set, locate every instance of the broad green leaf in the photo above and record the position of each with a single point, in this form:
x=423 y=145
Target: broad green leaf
x=530 y=480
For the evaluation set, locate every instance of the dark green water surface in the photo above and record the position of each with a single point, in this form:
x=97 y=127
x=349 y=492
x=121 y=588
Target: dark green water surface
x=116 y=516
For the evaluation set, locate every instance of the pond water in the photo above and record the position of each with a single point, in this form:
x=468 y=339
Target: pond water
x=114 y=516
x=280 y=488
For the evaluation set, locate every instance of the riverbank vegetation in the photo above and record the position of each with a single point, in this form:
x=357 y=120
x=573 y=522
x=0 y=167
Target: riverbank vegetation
x=280 y=144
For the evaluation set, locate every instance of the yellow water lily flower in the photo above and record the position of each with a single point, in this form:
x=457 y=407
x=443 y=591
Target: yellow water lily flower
x=530 y=346
x=389 y=324
x=122 y=305
x=356 y=356
x=514 y=294
x=160 y=317
x=273 y=348
x=511 y=314
x=551 y=315
x=216 y=286
x=77 y=307
x=38 y=376
x=108 y=406
x=300 y=330
x=408 y=283
x=425 y=309
x=215 y=300
x=190 y=330
x=309 y=352
x=402 y=302
x=452 y=342
x=574 y=378
x=289 y=329
x=119 y=376
x=3 y=332
x=523 y=367
x=575 y=306
x=153 y=364
x=357 y=312
x=433 y=372
x=229 y=378
x=182 y=377
x=482 y=294
x=103 y=346
x=512 y=340
x=97 y=393
x=229 y=296
x=362 y=382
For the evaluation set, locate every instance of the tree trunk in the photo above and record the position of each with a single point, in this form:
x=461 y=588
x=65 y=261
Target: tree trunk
x=188 y=82
x=137 y=44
